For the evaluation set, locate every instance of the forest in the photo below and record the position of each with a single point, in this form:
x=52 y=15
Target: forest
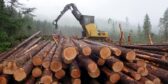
x=17 y=22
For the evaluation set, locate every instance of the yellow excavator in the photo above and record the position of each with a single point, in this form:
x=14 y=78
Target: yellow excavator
x=86 y=21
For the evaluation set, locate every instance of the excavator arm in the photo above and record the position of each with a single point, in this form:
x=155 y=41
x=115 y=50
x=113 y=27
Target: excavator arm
x=74 y=10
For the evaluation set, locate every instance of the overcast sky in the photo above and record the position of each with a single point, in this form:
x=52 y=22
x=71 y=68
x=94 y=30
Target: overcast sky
x=135 y=10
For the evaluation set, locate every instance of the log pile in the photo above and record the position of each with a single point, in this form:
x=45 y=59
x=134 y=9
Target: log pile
x=73 y=61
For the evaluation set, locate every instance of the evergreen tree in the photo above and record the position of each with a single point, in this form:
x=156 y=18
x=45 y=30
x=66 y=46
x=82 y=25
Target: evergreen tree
x=139 y=30
x=165 y=25
x=146 y=26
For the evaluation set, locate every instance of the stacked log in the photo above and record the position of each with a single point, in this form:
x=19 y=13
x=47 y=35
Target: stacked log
x=74 y=61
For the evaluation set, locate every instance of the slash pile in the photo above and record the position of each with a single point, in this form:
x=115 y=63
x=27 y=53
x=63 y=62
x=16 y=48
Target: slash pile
x=74 y=61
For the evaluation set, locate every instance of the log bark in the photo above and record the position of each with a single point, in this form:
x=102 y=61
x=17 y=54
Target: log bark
x=154 y=79
x=21 y=73
x=144 y=80
x=115 y=64
x=114 y=77
x=87 y=63
x=56 y=63
x=126 y=79
x=47 y=60
x=131 y=73
x=146 y=48
x=38 y=58
x=83 y=47
x=75 y=70
x=140 y=69
x=161 y=73
x=30 y=80
x=98 y=60
x=20 y=45
x=69 y=52
x=152 y=59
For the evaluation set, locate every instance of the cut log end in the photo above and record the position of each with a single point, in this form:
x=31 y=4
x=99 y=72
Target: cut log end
x=148 y=82
x=130 y=56
x=143 y=71
x=46 y=80
x=69 y=53
x=19 y=74
x=10 y=68
x=3 y=80
x=36 y=72
x=141 y=63
x=37 y=61
x=105 y=52
x=75 y=73
x=117 y=51
x=101 y=62
x=137 y=76
x=94 y=74
x=55 y=66
x=114 y=78
x=76 y=81
x=92 y=67
x=157 y=81
x=60 y=74
x=46 y=64
x=86 y=51
x=117 y=66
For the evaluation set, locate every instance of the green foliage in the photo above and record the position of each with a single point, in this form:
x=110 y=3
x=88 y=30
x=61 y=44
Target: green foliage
x=146 y=26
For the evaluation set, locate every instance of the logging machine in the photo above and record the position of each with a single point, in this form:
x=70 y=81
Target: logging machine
x=86 y=21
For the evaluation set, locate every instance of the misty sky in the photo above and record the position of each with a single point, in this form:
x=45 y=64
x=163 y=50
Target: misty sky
x=135 y=10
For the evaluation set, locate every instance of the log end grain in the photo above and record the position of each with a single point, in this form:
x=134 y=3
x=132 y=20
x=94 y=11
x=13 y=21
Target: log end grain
x=137 y=76
x=55 y=66
x=76 y=81
x=36 y=72
x=86 y=51
x=101 y=62
x=130 y=56
x=141 y=63
x=92 y=67
x=46 y=64
x=118 y=66
x=157 y=81
x=105 y=52
x=19 y=74
x=37 y=60
x=3 y=80
x=46 y=79
x=69 y=53
x=75 y=73
x=116 y=51
x=143 y=71
x=94 y=74
x=60 y=74
x=10 y=68
x=114 y=78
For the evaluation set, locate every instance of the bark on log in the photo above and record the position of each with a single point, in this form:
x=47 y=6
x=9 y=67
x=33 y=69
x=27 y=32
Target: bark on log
x=154 y=79
x=30 y=80
x=47 y=60
x=126 y=79
x=115 y=64
x=38 y=58
x=87 y=63
x=75 y=70
x=21 y=73
x=161 y=73
x=114 y=77
x=83 y=47
x=56 y=63
x=20 y=45
x=98 y=60
x=131 y=73
x=144 y=80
